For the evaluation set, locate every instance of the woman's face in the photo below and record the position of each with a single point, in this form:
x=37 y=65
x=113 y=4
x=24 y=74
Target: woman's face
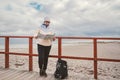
x=47 y=23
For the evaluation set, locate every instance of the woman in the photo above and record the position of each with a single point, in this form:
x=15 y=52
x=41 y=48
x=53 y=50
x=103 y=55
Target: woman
x=44 y=46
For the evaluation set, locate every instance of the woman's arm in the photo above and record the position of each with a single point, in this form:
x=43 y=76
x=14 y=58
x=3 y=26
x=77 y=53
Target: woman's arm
x=36 y=34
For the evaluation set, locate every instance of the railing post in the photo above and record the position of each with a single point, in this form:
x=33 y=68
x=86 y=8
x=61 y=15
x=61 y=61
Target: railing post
x=59 y=48
x=30 y=54
x=6 y=52
x=95 y=58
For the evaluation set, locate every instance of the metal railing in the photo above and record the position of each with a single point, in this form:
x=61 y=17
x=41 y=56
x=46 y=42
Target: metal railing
x=30 y=39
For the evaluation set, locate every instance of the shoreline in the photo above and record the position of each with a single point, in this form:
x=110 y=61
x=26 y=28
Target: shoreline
x=104 y=50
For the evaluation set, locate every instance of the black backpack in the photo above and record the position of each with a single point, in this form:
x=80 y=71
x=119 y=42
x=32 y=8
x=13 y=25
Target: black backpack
x=61 y=69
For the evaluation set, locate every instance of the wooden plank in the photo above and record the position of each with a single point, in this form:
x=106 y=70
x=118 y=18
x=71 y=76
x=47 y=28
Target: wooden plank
x=95 y=58
x=21 y=76
x=32 y=76
x=8 y=75
x=30 y=54
x=59 y=47
x=6 y=52
x=3 y=71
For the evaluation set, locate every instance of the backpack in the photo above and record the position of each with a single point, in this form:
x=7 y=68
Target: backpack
x=61 y=69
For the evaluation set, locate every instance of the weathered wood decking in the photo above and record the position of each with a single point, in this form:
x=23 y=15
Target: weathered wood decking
x=11 y=74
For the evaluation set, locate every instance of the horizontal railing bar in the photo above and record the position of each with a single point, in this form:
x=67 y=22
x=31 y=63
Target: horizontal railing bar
x=75 y=37
x=67 y=57
x=17 y=36
x=103 y=38
x=23 y=54
x=55 y=56
x=82 y=58
x=2 y=52
x=100 y=38
x=110 y=60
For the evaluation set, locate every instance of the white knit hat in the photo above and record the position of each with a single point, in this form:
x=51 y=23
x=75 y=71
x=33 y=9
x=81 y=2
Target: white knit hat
x=46 y=19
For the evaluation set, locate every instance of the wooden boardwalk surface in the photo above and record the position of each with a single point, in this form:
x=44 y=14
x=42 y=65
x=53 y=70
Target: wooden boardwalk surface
x=11 y=74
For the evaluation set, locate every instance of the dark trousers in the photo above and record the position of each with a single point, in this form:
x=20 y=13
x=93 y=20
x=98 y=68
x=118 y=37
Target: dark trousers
x=43 y=56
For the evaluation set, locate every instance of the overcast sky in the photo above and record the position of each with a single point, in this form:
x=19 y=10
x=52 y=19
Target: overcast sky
x=68 y=17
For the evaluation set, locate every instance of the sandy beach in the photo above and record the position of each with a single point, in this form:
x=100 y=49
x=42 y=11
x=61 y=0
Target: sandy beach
x=77 y=68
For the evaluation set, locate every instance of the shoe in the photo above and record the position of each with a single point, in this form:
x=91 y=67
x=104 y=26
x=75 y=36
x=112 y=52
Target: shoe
x=44 y=73
x=41 y=72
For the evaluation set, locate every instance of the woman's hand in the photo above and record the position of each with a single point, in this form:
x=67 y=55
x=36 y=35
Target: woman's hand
x=54 y=39
x=36 y=37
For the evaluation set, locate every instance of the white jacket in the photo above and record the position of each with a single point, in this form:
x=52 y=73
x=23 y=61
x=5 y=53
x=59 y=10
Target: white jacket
x=44 y=30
